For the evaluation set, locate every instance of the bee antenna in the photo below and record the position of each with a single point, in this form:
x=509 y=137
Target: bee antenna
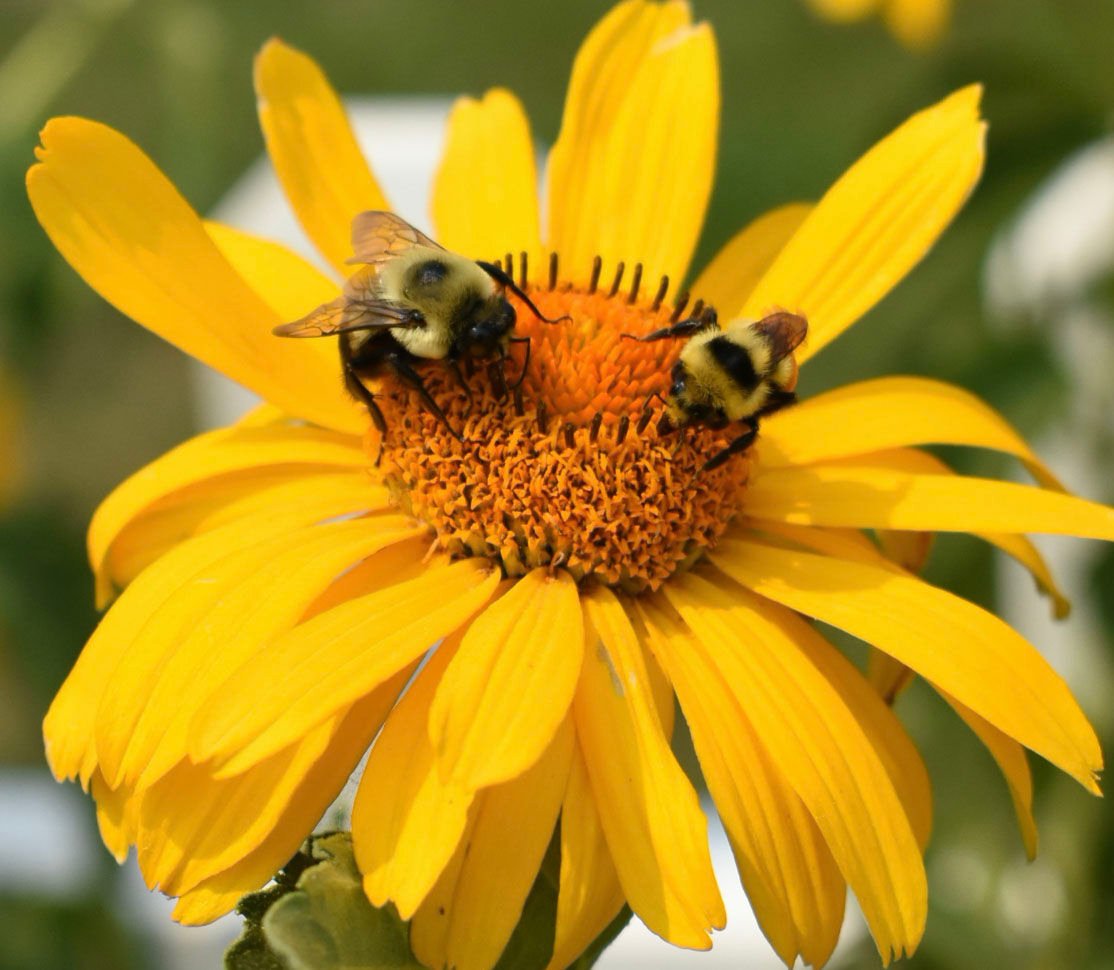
x=497 y=273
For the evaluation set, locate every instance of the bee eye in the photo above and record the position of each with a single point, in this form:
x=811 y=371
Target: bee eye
x=430 y=272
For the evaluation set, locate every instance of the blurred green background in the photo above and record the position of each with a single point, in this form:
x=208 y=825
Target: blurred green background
x=91 y=396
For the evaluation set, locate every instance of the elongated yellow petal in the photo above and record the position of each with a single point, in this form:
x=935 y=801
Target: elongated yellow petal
x=877 y=221
x=957 y=646
x=407 y=821
x=290 y=285
x=216 y=453
x=1011 y=759
x=119 y=222
x=895 y=749
x=589 y=896
x=1021 y=549
x=117 y=816
x=890 y=412
x=196 y=621
x=485 y=195
x=314 y=150
x=644 y=84
x=729 y=278
x=469 y=917
x=193 y=826
x=650 y=814
x=791 y=879
x=511 y=683
x=823 y=752
x=841 y=543
x=69 y=725
x=331 y=661
x=247 y=614
x=244 y=870
x=876 y=496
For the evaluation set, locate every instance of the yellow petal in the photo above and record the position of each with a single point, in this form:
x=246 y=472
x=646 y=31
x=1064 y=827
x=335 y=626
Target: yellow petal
x=215 y=453
x=790 y=877
x=395 y=564
x=1021 y=549
x=407 y=821
x=877 y=221
x=471 y=913
x=331 y=661
x=120 y=223
x=69 y=725
x=117 y=816
x=248 y=613
x=822 y=750
x=322 y=170
x=841 y=543
x=651 y=817
x=887 y=676
x=957 y=646
x=729 y=278
x=890 y=412
x=216 y=619
x=590 y=896
x=644 y=83
x=290 y=285
x=511 y=683
x=485 y=194
x=917 y=23
x=866 y=495
x=1011 y=759
x=225 y=841
x=909 y=550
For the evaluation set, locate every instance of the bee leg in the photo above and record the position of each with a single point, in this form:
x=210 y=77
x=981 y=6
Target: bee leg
x=740 y=444
x=525 y=362
x=454 y=368
x=360 y=392
x=683 y=328
x=504 y=279
x=403 y=368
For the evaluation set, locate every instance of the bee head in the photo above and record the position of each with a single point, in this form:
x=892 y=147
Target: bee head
x=491 y=328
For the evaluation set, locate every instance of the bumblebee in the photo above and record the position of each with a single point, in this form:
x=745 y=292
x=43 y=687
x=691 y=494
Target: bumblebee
x=410 y=302
x=730 y=376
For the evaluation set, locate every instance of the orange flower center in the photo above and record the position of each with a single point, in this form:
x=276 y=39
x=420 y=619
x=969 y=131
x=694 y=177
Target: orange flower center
x=566 y=469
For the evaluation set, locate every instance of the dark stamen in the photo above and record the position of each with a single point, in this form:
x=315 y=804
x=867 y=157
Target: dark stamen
x=570 y=435
x=542 y=417
x=697 y=309
x=635 y=283
x=522 y=269
x=663 y=288
x=679 y=307
x=597 y=265
x=618 y=279
x=644 y=419
x=552 y=270
x=519 y=406
x=621 y=431
x=508 y=263
x=498 y=377
x=594 y=427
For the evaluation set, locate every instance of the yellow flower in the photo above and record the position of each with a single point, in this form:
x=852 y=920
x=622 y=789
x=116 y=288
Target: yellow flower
x=280 y=588
x=916 y=23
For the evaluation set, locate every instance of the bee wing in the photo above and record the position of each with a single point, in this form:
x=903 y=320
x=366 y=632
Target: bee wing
x=344 y=314
x=378 y=236
x=784 y=331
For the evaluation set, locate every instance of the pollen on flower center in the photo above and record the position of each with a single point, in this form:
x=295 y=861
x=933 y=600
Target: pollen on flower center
x=568 y=468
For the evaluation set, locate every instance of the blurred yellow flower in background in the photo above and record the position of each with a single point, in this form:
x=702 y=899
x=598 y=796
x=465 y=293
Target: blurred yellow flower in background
x=916 y=23
x=280 y=589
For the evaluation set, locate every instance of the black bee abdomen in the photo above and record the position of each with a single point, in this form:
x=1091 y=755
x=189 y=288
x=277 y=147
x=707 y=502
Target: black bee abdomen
x=735 y=361
x=430 y=272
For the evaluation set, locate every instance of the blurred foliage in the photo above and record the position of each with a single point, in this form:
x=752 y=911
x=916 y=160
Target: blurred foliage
x=801 y=100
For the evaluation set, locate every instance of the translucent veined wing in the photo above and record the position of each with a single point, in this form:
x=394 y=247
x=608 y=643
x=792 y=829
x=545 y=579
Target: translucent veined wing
x=344 y=314
x=378 y=236
x=785 y=331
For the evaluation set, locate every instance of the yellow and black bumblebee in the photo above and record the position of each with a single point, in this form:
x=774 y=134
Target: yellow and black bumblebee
x=412 y=301
x=731 y=375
